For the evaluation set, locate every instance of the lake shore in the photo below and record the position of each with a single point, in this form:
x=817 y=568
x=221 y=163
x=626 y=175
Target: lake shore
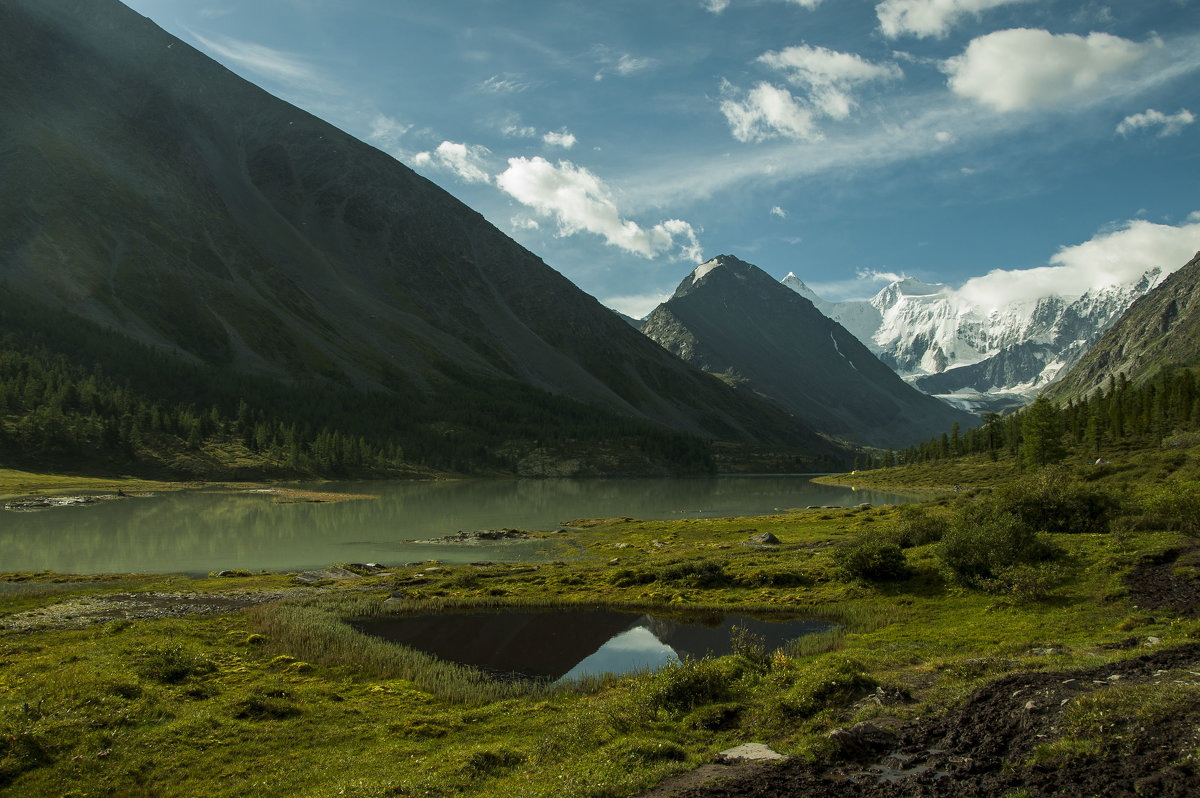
x=257 y=677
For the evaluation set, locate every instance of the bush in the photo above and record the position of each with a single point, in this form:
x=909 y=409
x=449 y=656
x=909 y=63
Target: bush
x=1174 y=506
x=983 y=540
x=832 y=681
x=173 y=663
x=917 y=527
x=1051 y=501
x=688 y=684
x=871 y=557
x=697 y=573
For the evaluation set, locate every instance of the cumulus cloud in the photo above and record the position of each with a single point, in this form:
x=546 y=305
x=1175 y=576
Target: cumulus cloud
x=766 y=112
x=580 y=201
x=467 y=162
x=1024 y=68
x=827 y=75
x=1170 y=125
x=716 y=6
x=1119 y=255
x=923 y=18
x=561 y=138
x=778 y=211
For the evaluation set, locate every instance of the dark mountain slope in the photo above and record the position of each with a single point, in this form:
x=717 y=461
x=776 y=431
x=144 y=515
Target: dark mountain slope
x=150 y=190
x=1161 y=329
x=733 y=319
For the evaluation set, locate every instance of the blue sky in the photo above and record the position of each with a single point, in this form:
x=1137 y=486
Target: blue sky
x=848 y=141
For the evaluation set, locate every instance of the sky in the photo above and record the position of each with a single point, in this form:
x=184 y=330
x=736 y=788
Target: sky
x=1008 y=146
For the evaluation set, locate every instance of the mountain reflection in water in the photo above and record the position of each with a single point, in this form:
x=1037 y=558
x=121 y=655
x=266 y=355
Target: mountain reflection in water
x=569 y=644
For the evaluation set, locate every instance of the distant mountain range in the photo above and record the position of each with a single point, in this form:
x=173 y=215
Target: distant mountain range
x=732 y=319
x=980 y=358
x=150 y=191
x=1160 y=330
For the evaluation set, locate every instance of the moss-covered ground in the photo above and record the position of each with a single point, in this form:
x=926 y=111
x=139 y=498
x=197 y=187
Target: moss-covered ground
x=284 y=698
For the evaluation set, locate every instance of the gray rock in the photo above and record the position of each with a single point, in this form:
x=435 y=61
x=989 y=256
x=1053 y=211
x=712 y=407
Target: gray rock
x=763 y=539
x=323 y=574
x=750 y=752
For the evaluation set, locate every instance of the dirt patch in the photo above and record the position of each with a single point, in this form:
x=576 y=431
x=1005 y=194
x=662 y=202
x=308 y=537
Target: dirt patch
x=1168 y=581
x=84 y=611
x=986 y=746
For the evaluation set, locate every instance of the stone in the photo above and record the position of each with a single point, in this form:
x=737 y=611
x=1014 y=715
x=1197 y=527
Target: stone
x=764 y=539
x=750 y=752
x=863 y=740
x=323 y=574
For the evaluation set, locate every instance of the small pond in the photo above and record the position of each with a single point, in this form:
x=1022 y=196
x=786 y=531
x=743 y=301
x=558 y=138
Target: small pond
x=554 y=645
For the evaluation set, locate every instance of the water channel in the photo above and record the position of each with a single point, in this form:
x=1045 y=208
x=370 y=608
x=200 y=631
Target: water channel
x=200 y=531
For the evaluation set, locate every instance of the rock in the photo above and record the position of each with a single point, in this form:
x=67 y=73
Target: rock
x=763 y=539
x=323 y=574
x=750 y=752
x=863 y=740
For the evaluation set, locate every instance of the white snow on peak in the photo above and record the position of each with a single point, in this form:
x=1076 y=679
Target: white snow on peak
x=703 y=269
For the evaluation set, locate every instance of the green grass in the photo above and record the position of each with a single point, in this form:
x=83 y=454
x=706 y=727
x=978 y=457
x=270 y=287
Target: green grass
x=288 y=699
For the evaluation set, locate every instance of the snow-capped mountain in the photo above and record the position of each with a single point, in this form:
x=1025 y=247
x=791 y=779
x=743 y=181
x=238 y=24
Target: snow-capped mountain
x=979 y=356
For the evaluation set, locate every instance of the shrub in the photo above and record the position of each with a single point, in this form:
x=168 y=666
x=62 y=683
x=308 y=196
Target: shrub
x=626 y=577
x=172 y=663
x=917 y=526
x=1174 y=506
x=1051 y=501
x=696 y=573
x=688 y=684
x=983 y=540
x=871 y=557
x=832 y=681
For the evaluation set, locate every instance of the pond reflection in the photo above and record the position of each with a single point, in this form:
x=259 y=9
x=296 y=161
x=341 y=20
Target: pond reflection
x=570 y=644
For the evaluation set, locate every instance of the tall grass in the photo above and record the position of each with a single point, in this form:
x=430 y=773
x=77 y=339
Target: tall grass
x=318 y=634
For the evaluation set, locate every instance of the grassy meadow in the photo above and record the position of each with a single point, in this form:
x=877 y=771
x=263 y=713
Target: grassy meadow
x=1017 y=571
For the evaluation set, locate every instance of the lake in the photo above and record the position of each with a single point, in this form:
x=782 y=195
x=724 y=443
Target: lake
x=554 y=645
x=200 y=531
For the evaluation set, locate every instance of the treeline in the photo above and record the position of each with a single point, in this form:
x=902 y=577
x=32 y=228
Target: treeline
x=1041 y=433
x=153 y=413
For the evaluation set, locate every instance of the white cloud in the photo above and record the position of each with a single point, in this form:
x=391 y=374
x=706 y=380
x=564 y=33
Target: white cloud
x=924 y=18
x=944 y=137
x=504 y=84
x=628 y=65
x=716 y=6
x=386 y=133
x=828 y=75
x=778 y=211
x=768 y=112
x=580 y=201
x=278 y=65
x=1171 y=125
x=519 y=131
x=525 y=223
x=637 y=306
x=1117 y=256
x=465 y=161
x=1023 y=68
x=562 y=138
